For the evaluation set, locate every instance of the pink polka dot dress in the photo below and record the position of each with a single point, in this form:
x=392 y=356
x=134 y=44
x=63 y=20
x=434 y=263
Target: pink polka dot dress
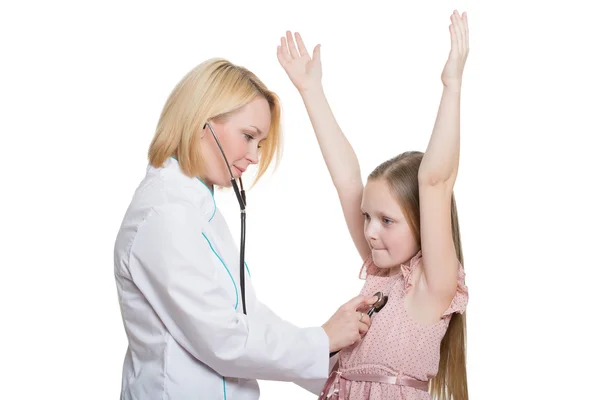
x=398 y=356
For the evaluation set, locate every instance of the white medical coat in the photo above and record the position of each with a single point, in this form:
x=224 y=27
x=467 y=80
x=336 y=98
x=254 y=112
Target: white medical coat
x=177 y=272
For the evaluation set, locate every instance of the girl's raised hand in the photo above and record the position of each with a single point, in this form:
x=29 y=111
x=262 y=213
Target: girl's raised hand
x=304 y=71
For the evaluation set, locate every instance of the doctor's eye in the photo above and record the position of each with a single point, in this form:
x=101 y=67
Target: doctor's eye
x=250 y=138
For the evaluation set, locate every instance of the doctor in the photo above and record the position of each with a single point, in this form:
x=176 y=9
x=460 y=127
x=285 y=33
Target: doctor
x=192 y=333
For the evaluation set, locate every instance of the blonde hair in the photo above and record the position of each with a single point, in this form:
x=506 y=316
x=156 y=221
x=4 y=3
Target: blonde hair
x=401 y=174
x=215 y=89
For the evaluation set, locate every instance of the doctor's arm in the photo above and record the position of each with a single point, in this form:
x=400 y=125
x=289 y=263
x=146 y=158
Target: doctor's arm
x=312 y=385
x=173 y=265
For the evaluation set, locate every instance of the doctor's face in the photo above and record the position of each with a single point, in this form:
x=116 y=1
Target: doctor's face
x=240 y=135
x=386 y=229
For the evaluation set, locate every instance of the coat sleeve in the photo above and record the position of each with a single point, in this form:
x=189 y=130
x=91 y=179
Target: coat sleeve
x=176 y=270
x=315 y=386
x=312 y=385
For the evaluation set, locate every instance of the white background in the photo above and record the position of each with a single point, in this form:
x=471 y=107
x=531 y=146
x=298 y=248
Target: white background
x=82 y=86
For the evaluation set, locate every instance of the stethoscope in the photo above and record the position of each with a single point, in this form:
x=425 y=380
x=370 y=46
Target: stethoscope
x=241 y=196
x=375 y=308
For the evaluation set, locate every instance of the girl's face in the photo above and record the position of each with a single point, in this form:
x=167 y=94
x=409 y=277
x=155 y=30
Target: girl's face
x=388 y=233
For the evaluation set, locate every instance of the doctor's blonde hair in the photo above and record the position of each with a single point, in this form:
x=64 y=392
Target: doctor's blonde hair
x=214 y=90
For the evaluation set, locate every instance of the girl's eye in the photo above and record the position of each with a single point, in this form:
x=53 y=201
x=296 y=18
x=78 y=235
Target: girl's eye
x=367 y=216
x=387 y=221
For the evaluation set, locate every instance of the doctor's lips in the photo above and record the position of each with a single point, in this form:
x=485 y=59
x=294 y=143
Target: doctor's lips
x=240 y=170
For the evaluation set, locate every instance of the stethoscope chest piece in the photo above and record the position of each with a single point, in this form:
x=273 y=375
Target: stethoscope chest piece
x=379 y=304
x=375 y=308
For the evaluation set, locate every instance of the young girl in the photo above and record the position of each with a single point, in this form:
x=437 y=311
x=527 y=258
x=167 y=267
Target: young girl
x=404 y=224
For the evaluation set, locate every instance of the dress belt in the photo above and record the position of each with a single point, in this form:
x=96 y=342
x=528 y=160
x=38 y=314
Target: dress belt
x=336 y=389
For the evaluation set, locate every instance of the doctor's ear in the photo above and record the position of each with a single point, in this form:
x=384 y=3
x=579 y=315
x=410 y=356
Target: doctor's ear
x=204 y=130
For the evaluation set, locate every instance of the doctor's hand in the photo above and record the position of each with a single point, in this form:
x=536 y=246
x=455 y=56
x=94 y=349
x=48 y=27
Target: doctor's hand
x=347 y=325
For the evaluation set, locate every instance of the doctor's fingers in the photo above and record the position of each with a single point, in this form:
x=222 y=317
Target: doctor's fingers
x=364 y=318
x=364 y=323
x=363 y=329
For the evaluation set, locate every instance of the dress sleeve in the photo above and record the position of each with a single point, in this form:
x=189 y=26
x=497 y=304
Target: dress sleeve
x=369 y=268
x=461 y=298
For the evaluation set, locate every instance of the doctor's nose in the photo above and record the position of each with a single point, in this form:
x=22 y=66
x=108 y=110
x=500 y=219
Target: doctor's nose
x=252 y=156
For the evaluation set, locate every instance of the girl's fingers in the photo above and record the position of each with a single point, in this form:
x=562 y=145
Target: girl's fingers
x=301 y=46
x=291 y=45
